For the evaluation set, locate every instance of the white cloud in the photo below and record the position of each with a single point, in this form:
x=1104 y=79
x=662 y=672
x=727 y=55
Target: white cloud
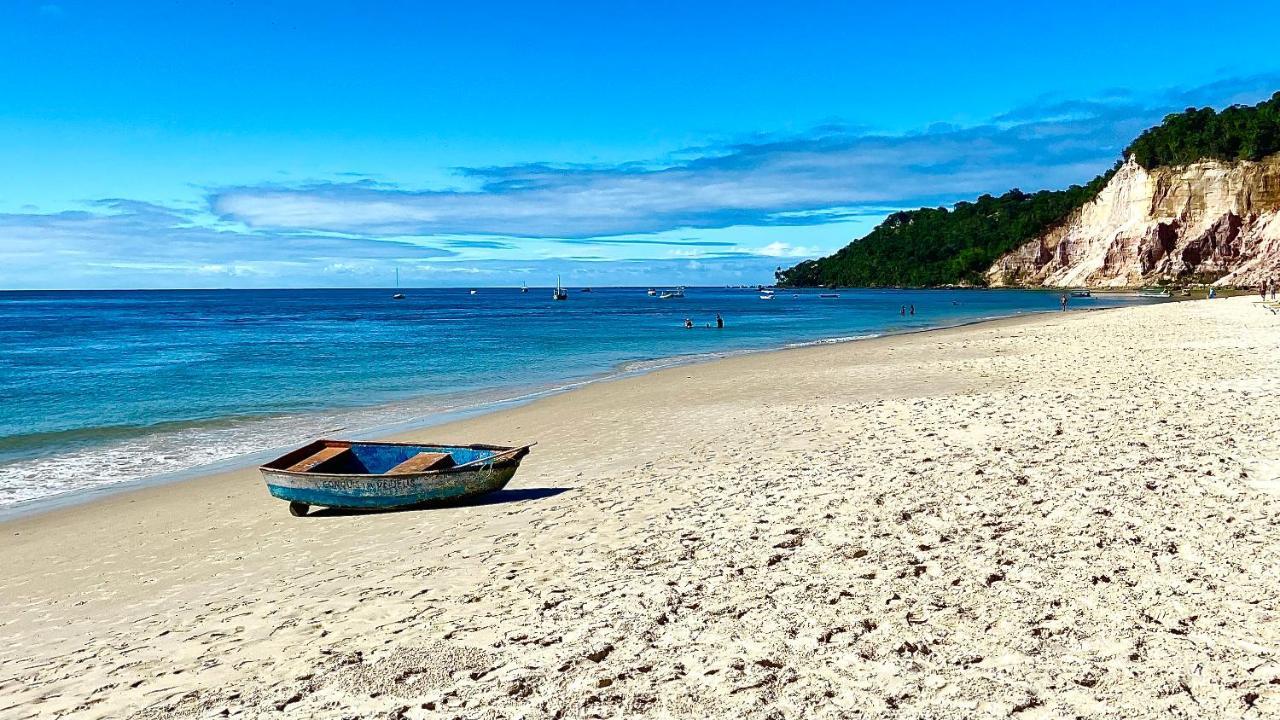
x=782 y=249
x=809 y=179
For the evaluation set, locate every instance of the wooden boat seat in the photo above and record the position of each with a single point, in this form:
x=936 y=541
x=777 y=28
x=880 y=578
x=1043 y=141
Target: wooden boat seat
x=325 y=455
x=422 y=462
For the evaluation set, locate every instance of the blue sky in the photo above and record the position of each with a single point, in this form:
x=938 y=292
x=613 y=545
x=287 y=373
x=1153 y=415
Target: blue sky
x=281 y=144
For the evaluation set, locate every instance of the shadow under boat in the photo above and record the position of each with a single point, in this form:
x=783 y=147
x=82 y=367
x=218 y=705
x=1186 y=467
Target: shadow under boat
x=498 y=497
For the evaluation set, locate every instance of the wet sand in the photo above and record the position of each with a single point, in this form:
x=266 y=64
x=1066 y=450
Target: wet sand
x=1059 y=516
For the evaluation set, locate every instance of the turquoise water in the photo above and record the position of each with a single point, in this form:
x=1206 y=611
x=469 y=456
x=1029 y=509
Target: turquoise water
x=102 y=388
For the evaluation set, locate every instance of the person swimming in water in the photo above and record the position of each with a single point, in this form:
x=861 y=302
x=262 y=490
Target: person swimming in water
x=688 y=323
x=719 y=322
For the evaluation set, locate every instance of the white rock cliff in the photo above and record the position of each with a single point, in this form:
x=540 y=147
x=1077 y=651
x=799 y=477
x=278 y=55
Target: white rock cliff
x=1206 y=222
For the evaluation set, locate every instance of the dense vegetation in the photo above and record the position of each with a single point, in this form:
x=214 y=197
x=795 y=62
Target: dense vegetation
x=937 y=246
x=1237 y=133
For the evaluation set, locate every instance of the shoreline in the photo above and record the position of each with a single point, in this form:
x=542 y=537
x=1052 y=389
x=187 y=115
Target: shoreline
x=409 y=428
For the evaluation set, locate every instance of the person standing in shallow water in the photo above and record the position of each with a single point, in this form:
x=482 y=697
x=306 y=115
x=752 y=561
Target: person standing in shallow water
x=913 y=309
x=719 y=322
x=1063 y=300
x=688 y=323
x=902 y=309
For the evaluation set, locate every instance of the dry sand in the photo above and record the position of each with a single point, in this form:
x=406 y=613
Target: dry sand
x=1062 y=516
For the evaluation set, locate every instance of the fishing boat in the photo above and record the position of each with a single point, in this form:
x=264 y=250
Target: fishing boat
x=345 y=474
x=399 y=295
x=651 y=292
x=671 y=294
x=559 y=293
x=1081 y=293
x=1154 y=293
x=524 y=288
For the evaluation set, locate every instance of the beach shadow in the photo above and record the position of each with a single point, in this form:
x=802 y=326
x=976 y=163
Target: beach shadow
x=494 y=498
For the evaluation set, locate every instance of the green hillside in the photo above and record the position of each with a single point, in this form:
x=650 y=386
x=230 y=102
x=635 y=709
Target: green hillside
x=940 y=246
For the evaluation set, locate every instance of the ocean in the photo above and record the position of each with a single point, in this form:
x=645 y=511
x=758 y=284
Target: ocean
x=101 y=390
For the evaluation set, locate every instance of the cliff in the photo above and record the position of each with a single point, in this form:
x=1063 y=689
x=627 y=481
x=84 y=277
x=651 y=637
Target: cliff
x=1210 y=221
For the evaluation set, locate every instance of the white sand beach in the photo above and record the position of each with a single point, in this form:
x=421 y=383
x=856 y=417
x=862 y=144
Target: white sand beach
x=1064 y=515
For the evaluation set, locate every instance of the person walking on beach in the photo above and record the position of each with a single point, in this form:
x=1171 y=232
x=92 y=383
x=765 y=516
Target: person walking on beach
x=719 y=322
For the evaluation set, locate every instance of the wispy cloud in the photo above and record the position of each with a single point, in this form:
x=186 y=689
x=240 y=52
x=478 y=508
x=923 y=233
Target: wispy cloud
x=683 y=242
x=762 y=181
x=788 y=182
x=128 y=238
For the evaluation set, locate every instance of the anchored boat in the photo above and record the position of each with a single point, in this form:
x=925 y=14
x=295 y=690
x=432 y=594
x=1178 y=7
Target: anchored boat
x=399 y=295
x=345 y=474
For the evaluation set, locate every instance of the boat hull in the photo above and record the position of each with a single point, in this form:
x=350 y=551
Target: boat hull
x=387 y=491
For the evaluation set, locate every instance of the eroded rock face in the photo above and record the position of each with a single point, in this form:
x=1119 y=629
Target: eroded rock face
x=1207 y=222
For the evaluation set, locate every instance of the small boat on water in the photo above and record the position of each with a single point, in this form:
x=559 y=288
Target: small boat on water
x=1081 y=293
x=651 y=292
x=345 y=474
x=671 y=294
x=585 y=290
x=524 y=288
x=559 y=293
x=1154 y=293
x=828 y=296
x=399 y=295
x=473 y=292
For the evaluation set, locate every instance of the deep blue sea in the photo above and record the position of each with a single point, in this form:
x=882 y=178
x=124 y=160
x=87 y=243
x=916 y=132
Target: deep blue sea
x=103 y=388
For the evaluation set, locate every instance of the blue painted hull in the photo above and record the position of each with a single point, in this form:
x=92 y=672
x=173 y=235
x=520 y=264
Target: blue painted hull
x=374 y=492
x=373 y=488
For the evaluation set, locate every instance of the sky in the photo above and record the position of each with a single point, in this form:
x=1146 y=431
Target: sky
x=326 y=144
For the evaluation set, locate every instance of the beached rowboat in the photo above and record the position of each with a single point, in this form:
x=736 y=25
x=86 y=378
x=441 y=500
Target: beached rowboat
x=344 y=474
